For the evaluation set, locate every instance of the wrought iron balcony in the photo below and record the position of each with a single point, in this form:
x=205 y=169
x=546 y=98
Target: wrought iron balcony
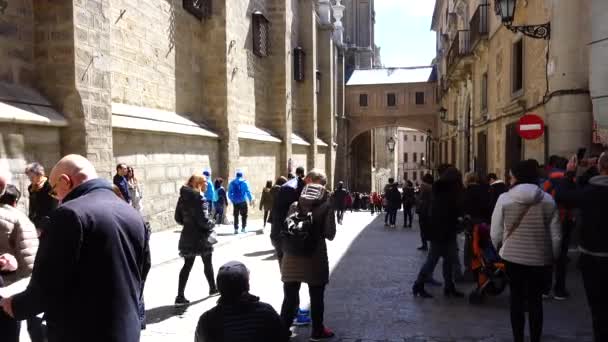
x=461 y=46
x=479 y=24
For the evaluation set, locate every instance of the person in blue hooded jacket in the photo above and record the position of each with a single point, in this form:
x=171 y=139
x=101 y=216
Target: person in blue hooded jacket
x=239 y=195
x=210 y=194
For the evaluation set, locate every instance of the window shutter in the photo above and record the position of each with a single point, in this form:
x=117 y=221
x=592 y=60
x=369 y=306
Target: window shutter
x=260 y=34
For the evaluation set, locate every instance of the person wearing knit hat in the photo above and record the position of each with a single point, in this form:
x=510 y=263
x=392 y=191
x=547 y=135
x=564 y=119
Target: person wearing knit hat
x=239 y=316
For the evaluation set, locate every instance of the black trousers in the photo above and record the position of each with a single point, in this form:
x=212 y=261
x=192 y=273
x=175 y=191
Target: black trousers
x=527 y=285
x=391 y=215
x=184 y=274
x=340 y=214
x=423 y=221
x=9 y=328
x=266 y=214
x=219 y=215
x=291 y=302
x=594 y=270
x=240 y=209
x=407 y=214
x=448 y=250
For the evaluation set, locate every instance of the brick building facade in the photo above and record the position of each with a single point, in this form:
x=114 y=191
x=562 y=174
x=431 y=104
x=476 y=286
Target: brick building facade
x=489 y=77
x=170 y=89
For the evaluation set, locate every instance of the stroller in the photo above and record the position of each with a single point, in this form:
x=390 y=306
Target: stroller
x=488 y=269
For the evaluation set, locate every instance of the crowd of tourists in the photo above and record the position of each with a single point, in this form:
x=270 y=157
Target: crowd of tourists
x=529 y=222
x=83 y=248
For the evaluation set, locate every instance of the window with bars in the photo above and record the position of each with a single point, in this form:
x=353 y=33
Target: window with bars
x=261 y=34
x=198 y=8
x=298 y=63
x=415 y=157
x=405 y=157
x=362 y=100
x=391 y=100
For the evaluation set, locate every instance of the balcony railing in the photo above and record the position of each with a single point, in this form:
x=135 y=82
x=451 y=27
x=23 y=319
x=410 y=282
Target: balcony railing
x=479 y=24
x=461 y=46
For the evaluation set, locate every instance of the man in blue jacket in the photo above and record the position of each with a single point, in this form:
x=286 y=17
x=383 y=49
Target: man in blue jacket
x=88 y=270
x=210 y=194
x=239 y=195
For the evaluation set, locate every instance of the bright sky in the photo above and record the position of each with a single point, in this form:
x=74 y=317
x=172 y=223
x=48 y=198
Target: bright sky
x=403 y=32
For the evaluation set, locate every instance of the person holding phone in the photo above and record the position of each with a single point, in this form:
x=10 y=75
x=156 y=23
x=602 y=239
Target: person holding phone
x=593 y=246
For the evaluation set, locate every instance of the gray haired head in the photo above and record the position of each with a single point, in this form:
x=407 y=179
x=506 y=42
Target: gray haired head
x=317 y=176
x=35 y=169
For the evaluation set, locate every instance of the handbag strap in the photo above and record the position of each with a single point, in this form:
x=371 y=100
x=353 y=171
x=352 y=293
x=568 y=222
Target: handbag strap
x=517 y=223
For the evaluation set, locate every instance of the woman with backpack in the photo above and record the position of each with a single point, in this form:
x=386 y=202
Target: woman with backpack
x=527 y=231
x=192 y=212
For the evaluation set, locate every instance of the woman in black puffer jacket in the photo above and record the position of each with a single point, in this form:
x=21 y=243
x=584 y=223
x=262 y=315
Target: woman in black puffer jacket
x=192 y=213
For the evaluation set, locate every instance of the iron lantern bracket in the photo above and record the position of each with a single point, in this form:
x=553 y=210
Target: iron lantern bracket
x=542 y=31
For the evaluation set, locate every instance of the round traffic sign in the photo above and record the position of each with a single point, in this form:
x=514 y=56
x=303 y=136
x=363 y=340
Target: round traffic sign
x=531 y=126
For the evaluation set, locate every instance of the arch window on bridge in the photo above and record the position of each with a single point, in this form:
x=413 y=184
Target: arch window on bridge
x=419 y=97
x=362 y=100
x=391 y=99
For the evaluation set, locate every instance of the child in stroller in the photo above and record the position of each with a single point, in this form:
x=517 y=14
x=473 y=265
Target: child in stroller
x=488 y=268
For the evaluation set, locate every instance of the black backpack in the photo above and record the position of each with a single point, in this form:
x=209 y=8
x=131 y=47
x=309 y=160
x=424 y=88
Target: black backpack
x=301 y=233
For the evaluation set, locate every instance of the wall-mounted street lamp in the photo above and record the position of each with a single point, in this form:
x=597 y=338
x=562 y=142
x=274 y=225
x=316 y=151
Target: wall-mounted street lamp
x=390 y=144
x=506 y=10
x=443 y=116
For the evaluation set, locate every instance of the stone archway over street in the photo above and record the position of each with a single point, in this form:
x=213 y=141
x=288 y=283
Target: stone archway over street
x=384 y=97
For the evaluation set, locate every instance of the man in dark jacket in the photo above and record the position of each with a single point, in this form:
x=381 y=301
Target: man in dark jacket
x=339 y=200
x=289 y=193
x=446 y=209
x=120 y=180
x=497 y=188
x=408 y=199
x=239 y=316
x=591 y=200
x=393 y=197
x=88 y=270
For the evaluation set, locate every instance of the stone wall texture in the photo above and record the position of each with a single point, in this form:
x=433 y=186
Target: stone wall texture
x=85 y=56
x=162 y=164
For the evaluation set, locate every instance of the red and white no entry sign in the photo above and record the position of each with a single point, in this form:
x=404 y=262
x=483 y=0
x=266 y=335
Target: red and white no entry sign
x=531 y=126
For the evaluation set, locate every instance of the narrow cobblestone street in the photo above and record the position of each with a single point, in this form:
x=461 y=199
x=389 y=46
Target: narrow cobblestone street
x=368 y=298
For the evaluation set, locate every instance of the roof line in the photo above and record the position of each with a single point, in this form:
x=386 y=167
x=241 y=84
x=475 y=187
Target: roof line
x=406 y=68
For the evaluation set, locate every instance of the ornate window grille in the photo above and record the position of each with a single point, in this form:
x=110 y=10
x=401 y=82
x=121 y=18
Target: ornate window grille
x=198 y=8
x=261 y=34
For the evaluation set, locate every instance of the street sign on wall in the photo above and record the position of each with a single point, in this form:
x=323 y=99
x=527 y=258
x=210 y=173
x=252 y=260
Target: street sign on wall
x=531 y=126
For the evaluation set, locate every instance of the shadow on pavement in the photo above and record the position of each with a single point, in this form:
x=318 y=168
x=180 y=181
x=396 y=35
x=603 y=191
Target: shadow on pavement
x=259 y=253
x=163 y=313
x=369 y=297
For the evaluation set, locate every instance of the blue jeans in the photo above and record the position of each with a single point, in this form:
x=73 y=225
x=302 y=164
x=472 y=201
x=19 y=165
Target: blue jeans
x=448 y=250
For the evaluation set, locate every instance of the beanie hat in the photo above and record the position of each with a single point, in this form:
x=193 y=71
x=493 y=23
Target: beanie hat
x=526 y=171
x=207 y=173
x=239 y=174
x=232 y=280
